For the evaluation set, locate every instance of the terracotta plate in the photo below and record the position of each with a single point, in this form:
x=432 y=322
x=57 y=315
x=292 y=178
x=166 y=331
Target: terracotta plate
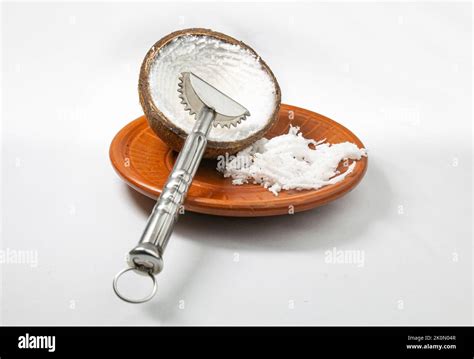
x=144 y=162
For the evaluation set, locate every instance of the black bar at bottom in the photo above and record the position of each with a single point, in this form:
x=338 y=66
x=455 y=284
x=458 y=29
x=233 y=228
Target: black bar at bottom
x=154 y=342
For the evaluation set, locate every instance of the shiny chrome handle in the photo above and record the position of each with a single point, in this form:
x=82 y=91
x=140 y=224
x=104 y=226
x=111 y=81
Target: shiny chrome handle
x=147 y=255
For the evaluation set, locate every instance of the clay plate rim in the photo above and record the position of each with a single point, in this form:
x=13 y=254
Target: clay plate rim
x=278 y=205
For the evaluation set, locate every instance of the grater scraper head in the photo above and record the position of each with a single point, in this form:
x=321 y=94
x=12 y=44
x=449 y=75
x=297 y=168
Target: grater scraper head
x=195 y=94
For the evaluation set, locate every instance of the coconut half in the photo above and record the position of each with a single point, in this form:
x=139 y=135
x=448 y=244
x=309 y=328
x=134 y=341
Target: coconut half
x=226 y=63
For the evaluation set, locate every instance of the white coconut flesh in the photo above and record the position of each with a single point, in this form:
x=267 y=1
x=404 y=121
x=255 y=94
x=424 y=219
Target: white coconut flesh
x=230 y=68
x=289 y=162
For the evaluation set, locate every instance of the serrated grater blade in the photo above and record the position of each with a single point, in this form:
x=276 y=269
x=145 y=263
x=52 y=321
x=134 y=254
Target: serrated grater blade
x=195 y=93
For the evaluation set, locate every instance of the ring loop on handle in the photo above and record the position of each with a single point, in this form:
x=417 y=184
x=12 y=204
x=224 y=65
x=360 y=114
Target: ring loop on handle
x=129 y=300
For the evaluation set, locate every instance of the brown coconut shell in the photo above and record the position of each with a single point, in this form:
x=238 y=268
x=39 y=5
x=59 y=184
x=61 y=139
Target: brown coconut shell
x=173 y=136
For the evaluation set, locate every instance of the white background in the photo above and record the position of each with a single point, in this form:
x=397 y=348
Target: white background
x=398 y=75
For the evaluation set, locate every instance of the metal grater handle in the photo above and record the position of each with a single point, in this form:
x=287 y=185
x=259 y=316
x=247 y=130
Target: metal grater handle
x=147 y=255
